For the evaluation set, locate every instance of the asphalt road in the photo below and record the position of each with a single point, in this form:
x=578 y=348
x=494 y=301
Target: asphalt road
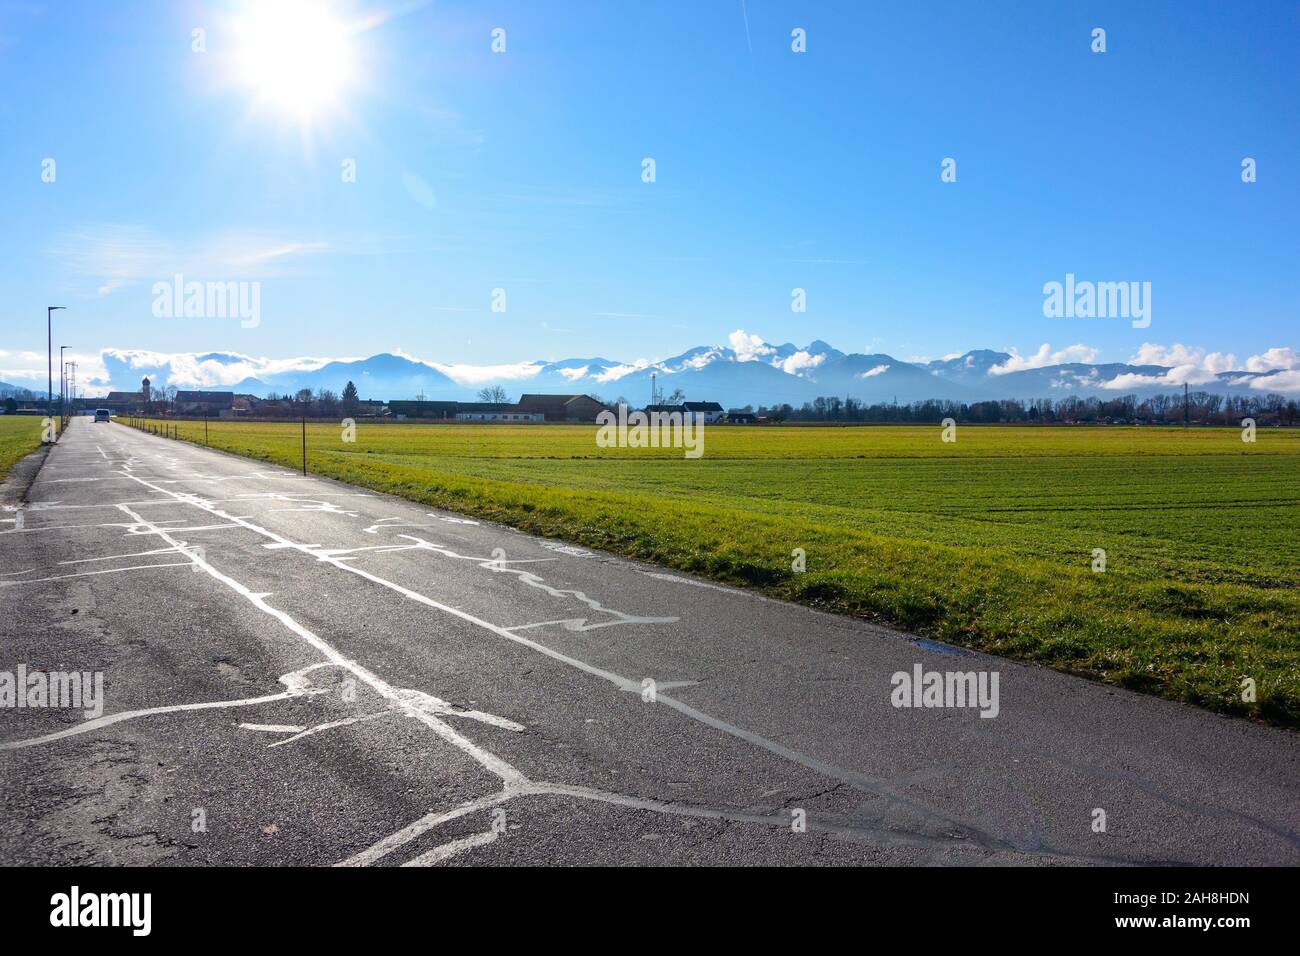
x=296 y=671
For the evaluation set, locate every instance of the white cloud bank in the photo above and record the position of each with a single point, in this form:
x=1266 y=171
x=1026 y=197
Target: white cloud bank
x=1044 y=357
x=1187 y=365
x=752 y=348
x=748 y=348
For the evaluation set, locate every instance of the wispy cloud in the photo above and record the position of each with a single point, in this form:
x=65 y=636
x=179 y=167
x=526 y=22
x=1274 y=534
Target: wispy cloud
x=115 y=256
x=830 y=262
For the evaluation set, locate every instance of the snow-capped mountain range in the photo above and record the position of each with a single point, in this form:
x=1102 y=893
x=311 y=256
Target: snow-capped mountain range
x=746 y=371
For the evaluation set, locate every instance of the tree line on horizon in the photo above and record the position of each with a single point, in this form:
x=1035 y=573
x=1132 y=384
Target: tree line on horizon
x=1200 y=407
x=1205 y=408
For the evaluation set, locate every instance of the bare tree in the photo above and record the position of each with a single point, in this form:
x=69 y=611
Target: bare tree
x=493 y=393
x=329 y=402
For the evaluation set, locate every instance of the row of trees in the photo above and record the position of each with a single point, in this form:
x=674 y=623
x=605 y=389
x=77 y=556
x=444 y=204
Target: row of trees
x=1204 y=408
x=321 y=402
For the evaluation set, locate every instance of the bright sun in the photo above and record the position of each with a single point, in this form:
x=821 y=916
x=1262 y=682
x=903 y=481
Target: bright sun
x=294 y=55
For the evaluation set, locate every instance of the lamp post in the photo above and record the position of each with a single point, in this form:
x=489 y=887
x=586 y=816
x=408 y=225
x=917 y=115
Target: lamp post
x=49 y=358
x=63 y=388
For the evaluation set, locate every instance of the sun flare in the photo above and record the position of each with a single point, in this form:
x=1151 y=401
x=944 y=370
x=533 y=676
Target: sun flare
x=295 y=55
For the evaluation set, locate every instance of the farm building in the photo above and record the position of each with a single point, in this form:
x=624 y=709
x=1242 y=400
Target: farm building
x=494 y=412
x=418 y=408
x=216 y=404
x=120 y=402
x=562 y=408
x=710 y=412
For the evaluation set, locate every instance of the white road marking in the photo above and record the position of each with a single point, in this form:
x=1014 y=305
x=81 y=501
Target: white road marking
x=454 y=848
x=87 y=574
x=450 y=519
x=502 y=566
x=397 y=840
x=274 y=728
x=568 y=549
x=110 y=719
x=698 y=584
x=129 y=554
x=329 y=725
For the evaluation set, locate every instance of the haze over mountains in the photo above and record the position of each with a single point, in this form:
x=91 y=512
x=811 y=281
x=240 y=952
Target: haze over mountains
x=747 y=371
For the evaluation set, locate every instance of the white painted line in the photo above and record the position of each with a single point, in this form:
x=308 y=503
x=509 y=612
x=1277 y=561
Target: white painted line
x=109 y=720
x=408 y=833
x=321 y=728
x=454 y=848
x=87 y=574
x=274 y=728
x=116 y=557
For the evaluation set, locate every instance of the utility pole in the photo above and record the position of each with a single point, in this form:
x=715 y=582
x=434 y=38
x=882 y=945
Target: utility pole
x=304 y=442
x=1185 y=412
x=72 y=382
x=63 y=391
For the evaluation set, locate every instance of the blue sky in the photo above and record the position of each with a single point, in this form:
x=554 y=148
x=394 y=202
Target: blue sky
x=774 y=170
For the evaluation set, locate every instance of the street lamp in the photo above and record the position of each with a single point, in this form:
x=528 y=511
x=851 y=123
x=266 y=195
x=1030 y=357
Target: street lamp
x=49 y=358
x=63 y=384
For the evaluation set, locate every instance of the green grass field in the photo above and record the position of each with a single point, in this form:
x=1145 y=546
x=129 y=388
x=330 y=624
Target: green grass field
x=987 y=542
x=20 y=435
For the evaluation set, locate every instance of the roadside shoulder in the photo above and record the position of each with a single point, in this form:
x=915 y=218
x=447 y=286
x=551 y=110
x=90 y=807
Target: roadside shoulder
x=16 y=485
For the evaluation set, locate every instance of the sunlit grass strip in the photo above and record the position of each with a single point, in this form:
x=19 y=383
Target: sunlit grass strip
x=20 y=435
